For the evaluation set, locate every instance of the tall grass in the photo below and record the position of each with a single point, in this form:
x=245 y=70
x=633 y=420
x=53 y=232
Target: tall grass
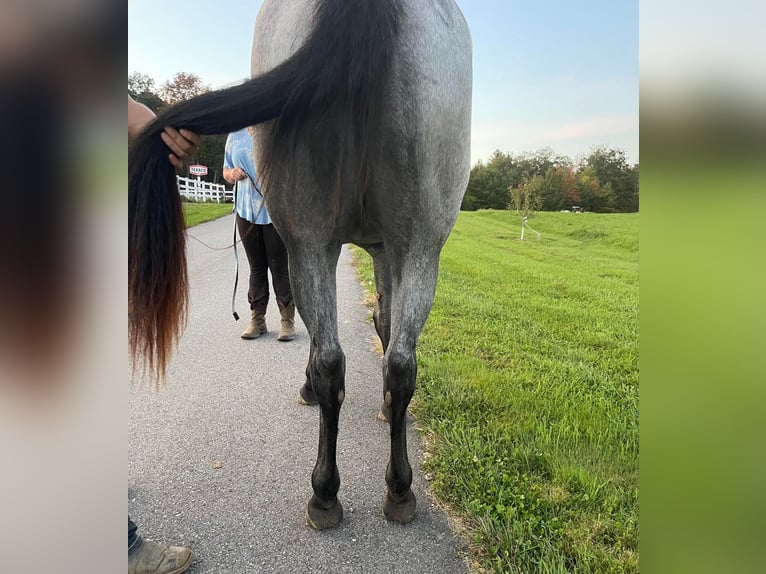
x=528 y=389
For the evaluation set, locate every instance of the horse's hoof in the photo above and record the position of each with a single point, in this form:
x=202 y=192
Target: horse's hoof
x=306 y=396
x=321 y=515
x=384 y=414
x=399 y=508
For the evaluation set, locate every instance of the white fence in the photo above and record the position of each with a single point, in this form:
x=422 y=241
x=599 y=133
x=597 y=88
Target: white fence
x=203 y=191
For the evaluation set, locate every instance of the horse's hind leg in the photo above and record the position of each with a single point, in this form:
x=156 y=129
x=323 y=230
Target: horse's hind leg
x=312 y=275
x=414 y=285
x=381 y=315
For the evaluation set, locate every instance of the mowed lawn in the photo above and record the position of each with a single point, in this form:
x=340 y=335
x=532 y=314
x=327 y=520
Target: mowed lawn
x=196 y=213
x=528 y=390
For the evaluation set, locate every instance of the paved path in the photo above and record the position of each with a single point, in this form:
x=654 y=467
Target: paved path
x=235 y=401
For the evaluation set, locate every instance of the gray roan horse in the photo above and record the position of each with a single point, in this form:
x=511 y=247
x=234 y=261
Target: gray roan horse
x=363 y=111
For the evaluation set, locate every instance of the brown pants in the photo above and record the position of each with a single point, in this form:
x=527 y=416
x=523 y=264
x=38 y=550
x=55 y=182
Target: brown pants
x=265 y=251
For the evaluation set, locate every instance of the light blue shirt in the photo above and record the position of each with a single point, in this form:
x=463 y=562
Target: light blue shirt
x=239 y=153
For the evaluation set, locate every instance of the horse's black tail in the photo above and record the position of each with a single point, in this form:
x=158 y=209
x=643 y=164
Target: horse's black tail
x=157 y=278
x=334 y=80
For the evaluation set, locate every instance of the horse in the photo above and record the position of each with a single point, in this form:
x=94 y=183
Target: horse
x=362 y=112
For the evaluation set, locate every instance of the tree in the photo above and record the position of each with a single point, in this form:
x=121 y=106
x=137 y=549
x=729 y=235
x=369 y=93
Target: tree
x=501 y=172
x=559 y=188
x=611 y=168
x=488 y=184
x=210 y=153
x=539 y=162
x=526 y=199
x=139 y=83
x=182 y=87
x=593 y=195
x=634 y=182
x=470 y=200
x=141 y=88
x=151 y=101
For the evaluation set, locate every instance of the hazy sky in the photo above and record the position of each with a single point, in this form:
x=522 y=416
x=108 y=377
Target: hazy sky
x=551 y=73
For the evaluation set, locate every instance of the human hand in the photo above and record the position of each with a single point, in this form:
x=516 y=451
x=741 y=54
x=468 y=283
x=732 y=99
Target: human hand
x=184 y=144
x=238 y=174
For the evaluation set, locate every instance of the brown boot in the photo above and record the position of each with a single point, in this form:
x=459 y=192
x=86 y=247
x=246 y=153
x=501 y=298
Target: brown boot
x=257 y=326
x=147 y=557
x=287 y=328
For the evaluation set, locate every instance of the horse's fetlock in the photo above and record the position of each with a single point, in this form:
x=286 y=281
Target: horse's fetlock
x=399 y=478
x=325 y=482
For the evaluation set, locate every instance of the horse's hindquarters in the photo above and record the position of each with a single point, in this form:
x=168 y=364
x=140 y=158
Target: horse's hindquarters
x=425 y=156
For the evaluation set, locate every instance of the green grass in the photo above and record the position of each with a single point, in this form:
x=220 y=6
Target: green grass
x=528 y=390
x=196 y=213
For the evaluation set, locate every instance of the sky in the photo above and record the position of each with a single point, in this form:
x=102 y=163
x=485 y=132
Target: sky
x=547 y=73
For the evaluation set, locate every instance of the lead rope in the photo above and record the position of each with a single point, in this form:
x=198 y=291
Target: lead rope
x=236 y=257
x=234 y=241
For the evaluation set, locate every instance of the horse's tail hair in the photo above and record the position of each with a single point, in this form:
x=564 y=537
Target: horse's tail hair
x=157 y=276
x=330 y=88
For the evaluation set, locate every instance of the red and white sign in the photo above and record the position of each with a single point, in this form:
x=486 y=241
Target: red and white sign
x=198 y=169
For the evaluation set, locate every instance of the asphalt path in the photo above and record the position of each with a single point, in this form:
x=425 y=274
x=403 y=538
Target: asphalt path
x=220 y=458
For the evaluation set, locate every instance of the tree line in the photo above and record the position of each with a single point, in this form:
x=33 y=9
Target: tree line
x=603 y=182
x=183 y=86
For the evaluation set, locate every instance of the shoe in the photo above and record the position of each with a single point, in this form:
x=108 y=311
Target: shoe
x=147 y=557
x=287 y=328
x=257 y=326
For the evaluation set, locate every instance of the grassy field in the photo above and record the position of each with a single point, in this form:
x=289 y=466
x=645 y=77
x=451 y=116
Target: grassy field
x=528 y=390
x=196 y=213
